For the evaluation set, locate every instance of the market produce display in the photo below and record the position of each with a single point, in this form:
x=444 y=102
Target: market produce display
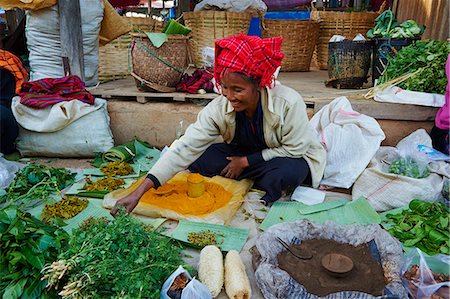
x=65 y=209
x=424 y=225
x=387 y=27
x=237 y=285
x=211 y=269
x=117 y=168
x=409 y=168
x=105 y=184
x=204 y=238
x=423 y=64
x=417 y=280
x=121 y=258
x=34 y=184
x=26 y=245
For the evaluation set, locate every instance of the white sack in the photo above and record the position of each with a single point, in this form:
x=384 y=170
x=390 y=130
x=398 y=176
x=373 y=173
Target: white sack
x=386 y=191
x=257 y=6
x=350 y=139
x=394 y=94
x=44 y=44
x=52 y=118
x=82 y=138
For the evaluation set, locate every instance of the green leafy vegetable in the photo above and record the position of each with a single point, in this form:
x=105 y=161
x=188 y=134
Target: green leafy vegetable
x=114 y=259
x=424 y=225
x=410 y=168
x=387 y=27
x=26 y=244
x=425 y=60
x=34 y=184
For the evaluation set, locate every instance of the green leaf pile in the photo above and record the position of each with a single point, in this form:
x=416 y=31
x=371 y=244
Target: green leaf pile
x=122 y=258
x=424 y=225
x=26 y=244
x=410 y=168
x=34 y=184
x=428 y=58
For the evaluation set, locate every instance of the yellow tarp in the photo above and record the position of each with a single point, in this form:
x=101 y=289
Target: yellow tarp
x=26 y=4
x=203 y=211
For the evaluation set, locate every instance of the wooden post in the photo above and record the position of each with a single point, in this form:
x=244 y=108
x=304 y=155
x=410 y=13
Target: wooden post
x=71 y=37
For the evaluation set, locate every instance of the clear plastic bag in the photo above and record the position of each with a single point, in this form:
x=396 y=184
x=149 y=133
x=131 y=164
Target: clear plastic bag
x=193 y=290
x=8 y=171
x=423 y=275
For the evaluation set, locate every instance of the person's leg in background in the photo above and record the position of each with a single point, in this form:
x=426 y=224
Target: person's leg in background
x=8 y=125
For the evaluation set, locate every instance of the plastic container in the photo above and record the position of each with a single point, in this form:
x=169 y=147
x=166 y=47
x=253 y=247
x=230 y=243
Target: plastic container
x=285 y=4
x=382 y=49
x=255 y=23
x=349 y=63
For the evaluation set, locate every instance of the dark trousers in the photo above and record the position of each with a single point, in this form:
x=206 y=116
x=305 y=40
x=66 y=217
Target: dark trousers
x=272 y=176
x=8 y=125
x=440 y=140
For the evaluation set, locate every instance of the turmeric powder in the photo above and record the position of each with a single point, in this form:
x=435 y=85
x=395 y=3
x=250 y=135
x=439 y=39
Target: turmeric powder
x=174 y=196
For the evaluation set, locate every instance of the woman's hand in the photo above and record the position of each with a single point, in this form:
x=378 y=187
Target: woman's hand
x=130 y=201
x=235 y=167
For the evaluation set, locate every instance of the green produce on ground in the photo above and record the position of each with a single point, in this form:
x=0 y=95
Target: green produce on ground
x=410 y=168
x=117 y=259
x=34 y=184
x=26 y=245
x=425 y=60
x=424 y=225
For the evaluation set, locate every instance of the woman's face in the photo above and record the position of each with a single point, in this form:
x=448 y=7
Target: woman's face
x=242 y=94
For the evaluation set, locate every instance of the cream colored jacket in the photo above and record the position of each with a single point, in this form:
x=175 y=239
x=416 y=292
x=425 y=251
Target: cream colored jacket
x=285 y=125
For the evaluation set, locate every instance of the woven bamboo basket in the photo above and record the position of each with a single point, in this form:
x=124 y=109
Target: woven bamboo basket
x=208 y=26
x=158 y=69
x=299 y=41
x=348 y=24
x=113 y=57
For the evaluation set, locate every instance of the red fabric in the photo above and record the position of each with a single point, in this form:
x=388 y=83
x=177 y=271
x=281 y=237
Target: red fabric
x=48 y=91
x=200 y=79
x=251 y=55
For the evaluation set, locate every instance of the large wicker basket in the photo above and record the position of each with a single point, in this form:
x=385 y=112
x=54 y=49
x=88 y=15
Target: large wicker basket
x=348 y=24
x=299 y=40
x=158 y=69
x=208 y=26
x=113 y=57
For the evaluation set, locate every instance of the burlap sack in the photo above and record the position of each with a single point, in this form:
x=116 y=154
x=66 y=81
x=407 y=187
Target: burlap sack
x=113 y=25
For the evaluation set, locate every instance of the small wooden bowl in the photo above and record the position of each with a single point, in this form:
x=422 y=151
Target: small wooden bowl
x=337 y=265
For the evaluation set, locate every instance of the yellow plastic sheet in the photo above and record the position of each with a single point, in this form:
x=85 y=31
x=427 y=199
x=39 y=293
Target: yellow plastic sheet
x=26 y=4
x=198 y=210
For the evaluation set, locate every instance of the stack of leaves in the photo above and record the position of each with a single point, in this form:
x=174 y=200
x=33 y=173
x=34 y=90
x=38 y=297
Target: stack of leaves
x=424 y=61
x=424 y=225
x=34 y=184
x=117 y=168
x=105 y=184
x=121 y=258
x=66 y=208
x=410 y=168
x=26 y=244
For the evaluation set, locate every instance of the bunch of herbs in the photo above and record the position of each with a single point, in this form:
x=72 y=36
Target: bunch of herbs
x=121 y=258
x=424 y=225
x=426 y=59
x=34 y=184
x=26 y=245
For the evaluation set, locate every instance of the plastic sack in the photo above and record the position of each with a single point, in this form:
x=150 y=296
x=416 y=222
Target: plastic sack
x=417 y=275
x=52 y=118
x=275 y=283
x=257 y=7
x=193 y=290
x=350 y=139
x=395 y=94
x=220 y=216
x=44 y=44
x=8 y=171
x=82 y=138
x=385 y=190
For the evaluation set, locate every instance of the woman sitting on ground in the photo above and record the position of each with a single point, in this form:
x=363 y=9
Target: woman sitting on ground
x=264 y=126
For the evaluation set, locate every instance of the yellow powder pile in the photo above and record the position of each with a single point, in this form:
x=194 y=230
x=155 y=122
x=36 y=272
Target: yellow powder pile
x=174 y=196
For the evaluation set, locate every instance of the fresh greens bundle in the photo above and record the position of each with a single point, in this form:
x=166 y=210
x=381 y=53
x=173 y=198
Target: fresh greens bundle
x=122 y=258
x=410 y=168
x=26 y=244
x=425 y=60
x=34 y=184
x=387 y=27
x=424 y=225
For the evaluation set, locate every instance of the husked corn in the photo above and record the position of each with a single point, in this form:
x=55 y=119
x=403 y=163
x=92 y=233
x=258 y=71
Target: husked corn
x=210 y=269
x=237 y=285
